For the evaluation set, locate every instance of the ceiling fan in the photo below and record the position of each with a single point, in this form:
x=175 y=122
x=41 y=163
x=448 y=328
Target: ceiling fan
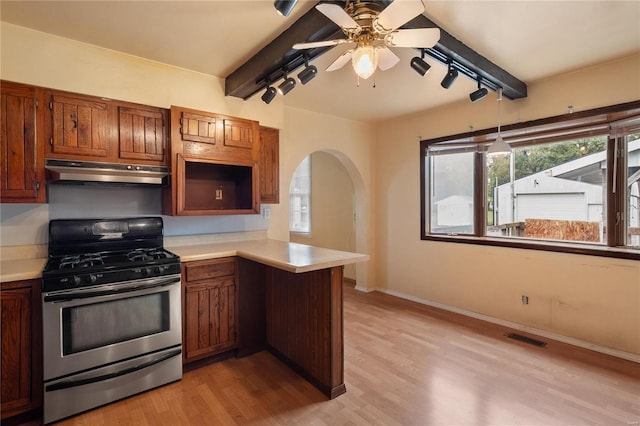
x=371 y=30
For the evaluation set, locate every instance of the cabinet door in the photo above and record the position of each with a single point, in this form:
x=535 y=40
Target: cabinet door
x=269 y=166
x=22 y=156
x=142 y=134
x=15 y=314
x=197 y=127
x=239 y=134
x=210 y=318
x=79 y=126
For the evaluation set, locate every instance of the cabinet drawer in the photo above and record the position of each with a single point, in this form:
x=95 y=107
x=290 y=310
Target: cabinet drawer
x=207 y=269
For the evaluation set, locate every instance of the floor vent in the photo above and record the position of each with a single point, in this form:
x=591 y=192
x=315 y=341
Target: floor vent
x=525 y=339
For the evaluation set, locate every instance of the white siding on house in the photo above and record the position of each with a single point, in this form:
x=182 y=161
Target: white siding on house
x=550 y=206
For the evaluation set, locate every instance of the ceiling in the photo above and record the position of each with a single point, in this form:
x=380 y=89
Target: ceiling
x=531 y=40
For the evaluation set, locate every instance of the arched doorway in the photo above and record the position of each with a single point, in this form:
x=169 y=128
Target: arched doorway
x=336 y=197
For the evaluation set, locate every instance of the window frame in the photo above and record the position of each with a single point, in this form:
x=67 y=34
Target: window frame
x=542 y=131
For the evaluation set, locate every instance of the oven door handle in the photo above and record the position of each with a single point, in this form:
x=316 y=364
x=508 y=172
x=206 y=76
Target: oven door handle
x=65 y=297
x=74 y=383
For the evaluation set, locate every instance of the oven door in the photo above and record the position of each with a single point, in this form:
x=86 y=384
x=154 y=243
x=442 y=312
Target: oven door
x=94 y=326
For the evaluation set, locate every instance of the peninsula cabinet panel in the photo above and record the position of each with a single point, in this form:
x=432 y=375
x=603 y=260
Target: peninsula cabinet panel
x=210 y=306
x=22 y=145
x=80 y=126
x=304 y=325
x=269 y=166
x=21 y=359
x=142 y=134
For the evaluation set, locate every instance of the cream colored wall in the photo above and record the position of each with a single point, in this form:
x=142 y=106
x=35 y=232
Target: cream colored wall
x=351 y=142
x=589 y=298
x=43 y=59
x=332 y=200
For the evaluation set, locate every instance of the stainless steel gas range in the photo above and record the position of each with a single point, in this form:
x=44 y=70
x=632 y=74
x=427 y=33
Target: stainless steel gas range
x=111 y=308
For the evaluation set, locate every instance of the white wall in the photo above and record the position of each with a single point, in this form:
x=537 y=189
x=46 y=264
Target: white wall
x=590 y=298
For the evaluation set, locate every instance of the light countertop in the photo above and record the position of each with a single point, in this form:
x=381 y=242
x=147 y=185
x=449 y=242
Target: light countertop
x=21 y=269
x=290 y=257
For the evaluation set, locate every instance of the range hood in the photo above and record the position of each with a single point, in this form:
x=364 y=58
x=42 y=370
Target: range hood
x=85 y=171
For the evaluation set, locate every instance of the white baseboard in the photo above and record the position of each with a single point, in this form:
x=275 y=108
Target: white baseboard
x=550 y=335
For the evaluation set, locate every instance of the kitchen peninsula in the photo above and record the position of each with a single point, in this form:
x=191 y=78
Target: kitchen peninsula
x=289 y=302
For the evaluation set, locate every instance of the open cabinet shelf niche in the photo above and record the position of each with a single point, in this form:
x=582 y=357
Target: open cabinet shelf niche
x=210 y=187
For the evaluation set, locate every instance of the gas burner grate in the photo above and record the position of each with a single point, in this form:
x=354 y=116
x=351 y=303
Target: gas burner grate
x=81 y=261
x=145 y=254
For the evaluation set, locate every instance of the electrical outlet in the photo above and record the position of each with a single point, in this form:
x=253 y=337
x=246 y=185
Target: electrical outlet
x=525 y=299
x=266 y=212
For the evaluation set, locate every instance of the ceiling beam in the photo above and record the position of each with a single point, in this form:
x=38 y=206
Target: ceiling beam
x=269 y=64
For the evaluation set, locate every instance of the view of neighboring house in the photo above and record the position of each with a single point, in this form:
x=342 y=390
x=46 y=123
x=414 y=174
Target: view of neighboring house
x=573 y=191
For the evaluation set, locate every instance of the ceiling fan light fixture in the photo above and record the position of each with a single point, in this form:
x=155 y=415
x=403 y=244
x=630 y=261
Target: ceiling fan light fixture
x=286 y=86
x=269 y=95
x=307 y=74
x=284 y=7
x=365 y=61
x=451 y=76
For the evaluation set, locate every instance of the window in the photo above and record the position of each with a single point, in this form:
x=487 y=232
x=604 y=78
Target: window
x=571 y=183
x=300 y=199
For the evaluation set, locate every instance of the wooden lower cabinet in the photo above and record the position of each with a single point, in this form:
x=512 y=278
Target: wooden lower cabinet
x=21 y=360
x=210 y=306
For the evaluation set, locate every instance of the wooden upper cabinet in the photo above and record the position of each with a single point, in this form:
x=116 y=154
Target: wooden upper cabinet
x=239 y=134
x=214 y=165
x=269 y=165
x=22 y=145
x=142 y=134
x=90 y=128
x=197 y=128
x=79 y=126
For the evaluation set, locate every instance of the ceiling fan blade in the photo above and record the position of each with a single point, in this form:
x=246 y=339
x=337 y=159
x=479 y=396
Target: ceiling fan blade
x=386 y=58
x=399 y=13
x=419 y=37
x=323 y=43
x=337 y=15
x=341 y=61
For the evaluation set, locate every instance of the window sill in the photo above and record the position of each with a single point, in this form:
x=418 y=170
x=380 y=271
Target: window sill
x=518 y=243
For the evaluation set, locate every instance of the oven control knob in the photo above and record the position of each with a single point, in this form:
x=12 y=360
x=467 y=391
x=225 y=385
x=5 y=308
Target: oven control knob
x=90 y=279
x=155 y=270
x=144 y=272
x=76 y=280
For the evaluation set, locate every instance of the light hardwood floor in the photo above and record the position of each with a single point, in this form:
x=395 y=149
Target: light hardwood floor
x=405 y=364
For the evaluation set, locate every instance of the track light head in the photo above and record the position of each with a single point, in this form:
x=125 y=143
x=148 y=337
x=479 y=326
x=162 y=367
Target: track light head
x=420 y=66
x=284 y=7
x=478 y=94
x=269 y=95
x=451 y=76
x=307 y=74
x=286 y=86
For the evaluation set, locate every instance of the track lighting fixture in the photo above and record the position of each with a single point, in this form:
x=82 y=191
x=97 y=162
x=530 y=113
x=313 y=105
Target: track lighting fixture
x=308 y=73
x=269 y=94
x=451 y=76
x=284 y=7
x=478 y=94
x=287 y=85
x=419 y=65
